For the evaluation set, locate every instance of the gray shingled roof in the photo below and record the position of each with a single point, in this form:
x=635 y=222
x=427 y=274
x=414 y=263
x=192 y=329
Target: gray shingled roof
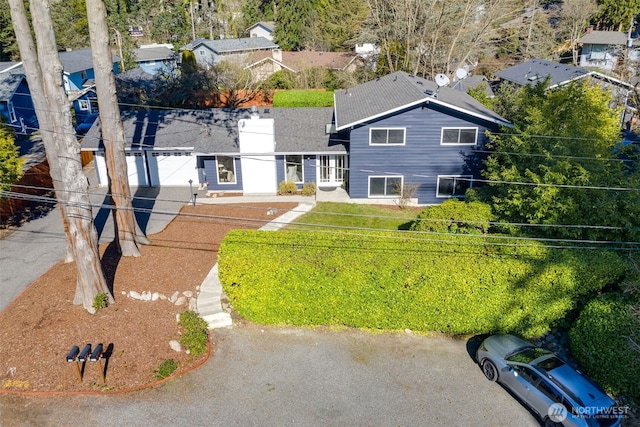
x=269 y=25
x=157 y=53
x=532 y=71
x=215 y=131
x=74 y=61
x=233 y=45
x=394 y=92
x=605 y=37
x=9 y=82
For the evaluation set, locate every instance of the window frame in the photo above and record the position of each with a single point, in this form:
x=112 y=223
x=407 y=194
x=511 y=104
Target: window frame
x=385 y=177
x=12 y=112
x=233 y=171
x=299 y=164
x=387 y=129
x=459 y=129
x=440 y=196
x=84 y=104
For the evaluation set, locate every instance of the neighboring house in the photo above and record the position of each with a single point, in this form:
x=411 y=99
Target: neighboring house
x=211 y=52
x=77 y=68
x=16 y=106
x=404 y=131
x=473 y=81
x=85 y=107
x=242 y=150
x=156 y=59
x=536 y=70
x=262 y=64
x=603 y=49
x=262 y=29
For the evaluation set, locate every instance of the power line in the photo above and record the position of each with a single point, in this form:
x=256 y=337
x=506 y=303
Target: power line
x=549 y=242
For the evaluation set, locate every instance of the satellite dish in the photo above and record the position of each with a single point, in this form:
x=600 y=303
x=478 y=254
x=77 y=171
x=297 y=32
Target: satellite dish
x=442 y=80
x=461 y=73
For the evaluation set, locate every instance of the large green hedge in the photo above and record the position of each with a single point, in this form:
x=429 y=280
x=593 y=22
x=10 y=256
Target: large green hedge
x=600 y=341
x=455 y=284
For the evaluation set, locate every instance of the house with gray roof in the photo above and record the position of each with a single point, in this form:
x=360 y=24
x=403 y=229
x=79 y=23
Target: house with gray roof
x=224 y=150
x=155 y=59
x=77 y=66
x=554 y=74
x=211 y=52
x=380 y=138
x=262 y=29
x=603 y=49
x=16 y=106
x=406 y=132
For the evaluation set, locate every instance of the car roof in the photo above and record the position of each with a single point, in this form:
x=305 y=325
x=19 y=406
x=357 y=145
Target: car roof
x=575 y=384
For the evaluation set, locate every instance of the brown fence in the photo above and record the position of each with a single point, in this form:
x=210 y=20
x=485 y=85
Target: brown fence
x=35 y=182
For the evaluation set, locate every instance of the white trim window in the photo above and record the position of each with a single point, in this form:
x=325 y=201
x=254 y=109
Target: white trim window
x=459 y=136
x=202 y=52
x=84 y=104
x=385 y=186
x=12 y=112
x=226 y=170
x=294 y=169
x=453 y=185
x=387 y=136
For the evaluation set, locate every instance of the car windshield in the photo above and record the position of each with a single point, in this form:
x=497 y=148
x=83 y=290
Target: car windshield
x=527 y=354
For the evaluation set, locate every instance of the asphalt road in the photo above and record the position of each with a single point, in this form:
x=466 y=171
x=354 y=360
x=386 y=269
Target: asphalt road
x=264 y=376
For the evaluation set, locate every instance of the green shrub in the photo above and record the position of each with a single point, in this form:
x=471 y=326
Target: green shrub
x=287 y=187
x=600 y=342
x=309 y=189
x=454 y=284
x=100 y=301
x=454 y=216
x=166 y=368
x=195 y=336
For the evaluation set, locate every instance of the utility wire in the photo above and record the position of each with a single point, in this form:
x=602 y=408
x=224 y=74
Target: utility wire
x=499 y=240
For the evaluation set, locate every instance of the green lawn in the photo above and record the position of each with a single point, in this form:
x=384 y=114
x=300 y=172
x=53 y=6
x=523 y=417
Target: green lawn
x=303 y=98
x=358 y=216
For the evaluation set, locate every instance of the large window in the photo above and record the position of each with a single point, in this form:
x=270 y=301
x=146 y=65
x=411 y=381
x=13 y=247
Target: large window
x=459 y=136
x=385 y=186
x=226 y=170
x=453 y=186
x=386 y=136
x=293 y=168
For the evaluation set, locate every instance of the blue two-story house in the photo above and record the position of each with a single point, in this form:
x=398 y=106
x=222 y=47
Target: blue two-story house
x=16 y=106
x=381 y=138
x=407 y=132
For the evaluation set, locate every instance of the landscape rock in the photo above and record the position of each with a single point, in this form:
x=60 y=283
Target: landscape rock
x=188 y=294
x=174 y=297
x=134 y=295
x=181 y=300
x=175 y=346
x=155 y=296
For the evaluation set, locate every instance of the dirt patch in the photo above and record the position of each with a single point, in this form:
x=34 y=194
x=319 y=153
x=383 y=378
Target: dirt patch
x=38 y=329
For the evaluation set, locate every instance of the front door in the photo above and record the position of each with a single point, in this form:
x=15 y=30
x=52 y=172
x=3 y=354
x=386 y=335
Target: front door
x=332 y=170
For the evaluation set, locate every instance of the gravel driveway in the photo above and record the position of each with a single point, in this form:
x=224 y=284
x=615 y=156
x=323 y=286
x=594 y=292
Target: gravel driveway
x=265 y=376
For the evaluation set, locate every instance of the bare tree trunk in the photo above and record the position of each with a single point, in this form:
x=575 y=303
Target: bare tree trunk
x=44 y=75
x=128 y=233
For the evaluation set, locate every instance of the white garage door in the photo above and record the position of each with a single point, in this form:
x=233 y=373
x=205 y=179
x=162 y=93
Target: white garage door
x=136 y=168
x=172 y=168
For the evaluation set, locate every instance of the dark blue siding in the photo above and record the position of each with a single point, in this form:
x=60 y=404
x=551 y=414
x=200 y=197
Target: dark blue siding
x=420 y=160
x=211 y=175
x=23 y=107
x=308 y=169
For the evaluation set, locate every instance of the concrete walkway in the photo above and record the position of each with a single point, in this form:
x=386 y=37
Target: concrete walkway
x=209 y=300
